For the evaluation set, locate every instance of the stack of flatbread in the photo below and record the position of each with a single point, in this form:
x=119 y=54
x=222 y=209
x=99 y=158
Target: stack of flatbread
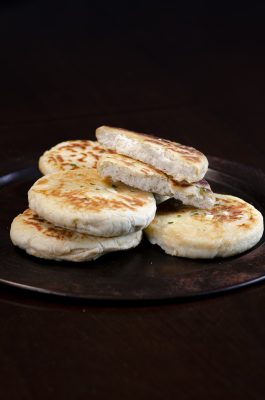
x=98 y=196
x=74 y=214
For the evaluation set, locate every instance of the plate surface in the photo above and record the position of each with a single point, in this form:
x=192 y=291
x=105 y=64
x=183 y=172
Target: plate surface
x=144 y=273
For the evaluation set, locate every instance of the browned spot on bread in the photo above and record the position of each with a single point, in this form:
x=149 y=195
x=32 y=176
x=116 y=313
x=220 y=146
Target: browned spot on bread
x=135 y=201
x=245 y=225
x=84 y=190
x=97 y=203
x=59 y=158
x=28 y=212
x=76 y=154
x=127 y=162
x=36 y=224
x=33 y=220
x=56 y=191
x=225 y=210
x=43 y=181
x=46 y=228
x=98 y=148
x=80 y=200
x=189 y=153
x=73 y=145
x=52 y=159
x=59 y=233
x=229 y=210
x=145 y=171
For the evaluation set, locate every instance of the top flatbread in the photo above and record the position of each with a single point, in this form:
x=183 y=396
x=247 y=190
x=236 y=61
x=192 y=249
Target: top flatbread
x=70 y=155
x=83 y=201
x=180 y=162
x=144 y=177
x=231 y=227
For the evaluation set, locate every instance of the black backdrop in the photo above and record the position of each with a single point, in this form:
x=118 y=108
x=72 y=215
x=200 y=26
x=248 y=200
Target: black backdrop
x=191 y=67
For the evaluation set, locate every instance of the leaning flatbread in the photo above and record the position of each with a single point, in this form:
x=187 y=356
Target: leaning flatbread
x=144 y=177
x=231 y=227
x=180 y=162
x=42 y=239
x=70 y=155
x=83 y=201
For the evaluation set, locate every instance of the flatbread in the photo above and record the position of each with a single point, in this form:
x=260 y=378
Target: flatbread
x=182 y=163
x=144 y=177
x=71 y=155
x=83 y=201
x=42 y=239
x=231 y=227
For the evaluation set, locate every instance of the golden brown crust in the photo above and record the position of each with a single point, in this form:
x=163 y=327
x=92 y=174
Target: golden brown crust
x=231 y=227
x=71 y=155
x=226 y=209
x=188 y=153
x=81 y=189
x=81 y=200
x=46 y=228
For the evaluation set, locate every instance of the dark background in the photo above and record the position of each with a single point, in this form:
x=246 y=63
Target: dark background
x=190 y=71
x=184 y=69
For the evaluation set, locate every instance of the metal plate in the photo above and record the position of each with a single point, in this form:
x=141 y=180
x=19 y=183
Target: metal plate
x=144 y=273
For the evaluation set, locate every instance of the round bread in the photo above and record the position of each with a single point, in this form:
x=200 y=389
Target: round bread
x=180 y=162
x=231 y=227
x=70 y=155
x=144 y=177
x=42 y=239
x=83 y=201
